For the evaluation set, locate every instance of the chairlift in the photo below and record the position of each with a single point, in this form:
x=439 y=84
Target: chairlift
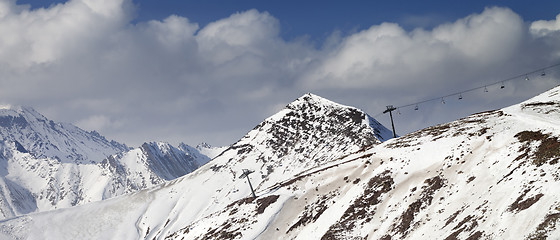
x=399 y=111
x=416 y=107
x=502 y=86
x=460 y=96
x=442 y=101
x=543 y=74
x=526 y=78
x=485 y=89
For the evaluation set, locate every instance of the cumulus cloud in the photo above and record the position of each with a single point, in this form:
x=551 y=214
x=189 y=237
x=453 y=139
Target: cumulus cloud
x=168 y=80
x=85 y=62
x=386 y=64
x=544 y=27
x=387 y=51
x=46 y=35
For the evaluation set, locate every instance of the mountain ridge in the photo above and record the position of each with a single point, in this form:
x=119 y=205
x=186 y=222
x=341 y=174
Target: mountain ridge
x=46 y=138
x=45 y=165
x=489 y=175
x=305 y=134
x=442 y=182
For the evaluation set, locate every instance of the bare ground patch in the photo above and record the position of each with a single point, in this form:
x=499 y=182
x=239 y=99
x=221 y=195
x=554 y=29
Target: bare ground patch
x=363 y=208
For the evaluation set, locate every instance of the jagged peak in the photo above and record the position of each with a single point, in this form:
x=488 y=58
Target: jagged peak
x=313 y=99
x=318 y=109
x=17 y=110
x=203 y=145
x=157 y=144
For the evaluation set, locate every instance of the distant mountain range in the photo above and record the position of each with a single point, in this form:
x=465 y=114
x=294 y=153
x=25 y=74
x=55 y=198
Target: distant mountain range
x=46 y=165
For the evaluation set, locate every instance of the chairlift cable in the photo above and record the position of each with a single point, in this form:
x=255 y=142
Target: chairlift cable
x=502 y=82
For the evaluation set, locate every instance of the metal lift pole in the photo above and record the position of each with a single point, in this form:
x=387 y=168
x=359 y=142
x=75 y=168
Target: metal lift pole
x=390 y=110
x=246 y=173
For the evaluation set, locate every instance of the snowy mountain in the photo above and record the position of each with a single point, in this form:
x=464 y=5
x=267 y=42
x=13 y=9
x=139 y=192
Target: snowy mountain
x=492 y=175
x=46 y=165
x=62 y=141
x=309 y=132
x=168 y=162
x=306 y=133
x=208 y=150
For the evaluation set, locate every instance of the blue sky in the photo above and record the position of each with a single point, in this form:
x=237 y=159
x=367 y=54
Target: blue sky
x=193 y=71
x=318 y=19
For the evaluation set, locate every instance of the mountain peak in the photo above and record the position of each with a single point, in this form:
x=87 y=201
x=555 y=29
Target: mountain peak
x=46 y=138
x=5 y=106
x=307 y=133
x=203 y=145
x=314 y=100
x=313 y=107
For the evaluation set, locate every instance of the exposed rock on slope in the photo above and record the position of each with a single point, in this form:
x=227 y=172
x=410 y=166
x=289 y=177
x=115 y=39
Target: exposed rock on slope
x=168 y=162
x=492 y=175
x=309 y=132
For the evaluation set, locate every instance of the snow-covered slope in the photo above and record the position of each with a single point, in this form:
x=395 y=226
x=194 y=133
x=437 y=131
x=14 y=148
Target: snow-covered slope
x=207 y=149
x=29 y=184
x=62 y=141
x=492 y=175
x=309 y=132
x=168 y=162
x=46 y=165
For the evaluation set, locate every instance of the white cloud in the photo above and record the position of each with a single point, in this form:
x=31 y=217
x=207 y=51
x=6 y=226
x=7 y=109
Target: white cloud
x=85 y=62
x=173 y=33
x=242 y=36
x=43 y=36
x=544 y=27
x=370 y=57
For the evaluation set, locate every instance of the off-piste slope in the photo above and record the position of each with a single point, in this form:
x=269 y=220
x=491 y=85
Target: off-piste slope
x=308 y=133
x=46 y=165
x=492 y=175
